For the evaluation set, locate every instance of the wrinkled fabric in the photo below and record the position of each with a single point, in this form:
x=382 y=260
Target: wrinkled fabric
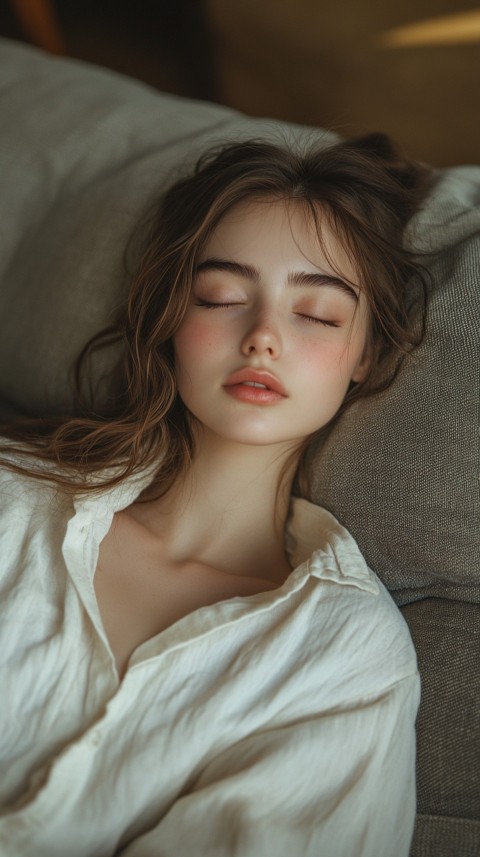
x=280 y=723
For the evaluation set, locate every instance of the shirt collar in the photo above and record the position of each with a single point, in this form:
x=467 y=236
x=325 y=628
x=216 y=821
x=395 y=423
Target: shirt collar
x=313 y=536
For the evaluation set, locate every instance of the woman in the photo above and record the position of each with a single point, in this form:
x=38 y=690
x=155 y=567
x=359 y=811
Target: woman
x=194 y=663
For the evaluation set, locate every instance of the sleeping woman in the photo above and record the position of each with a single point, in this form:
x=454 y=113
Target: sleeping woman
x=195 y=659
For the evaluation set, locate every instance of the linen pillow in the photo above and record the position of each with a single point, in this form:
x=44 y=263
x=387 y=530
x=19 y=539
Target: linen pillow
x=401 y=470
x=83 y=153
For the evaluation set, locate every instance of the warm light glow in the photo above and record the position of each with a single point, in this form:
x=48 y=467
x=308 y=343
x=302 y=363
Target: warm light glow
x=448 y=30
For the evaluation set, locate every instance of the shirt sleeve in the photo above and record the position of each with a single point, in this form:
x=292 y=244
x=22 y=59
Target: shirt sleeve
x=337 y=785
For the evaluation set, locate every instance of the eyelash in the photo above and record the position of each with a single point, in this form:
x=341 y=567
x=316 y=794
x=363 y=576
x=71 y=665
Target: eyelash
x=314 y=320
x=210 y=305
x=307 y=318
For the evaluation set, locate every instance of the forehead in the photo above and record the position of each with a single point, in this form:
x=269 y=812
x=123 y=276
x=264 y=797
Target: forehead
x=280 y=232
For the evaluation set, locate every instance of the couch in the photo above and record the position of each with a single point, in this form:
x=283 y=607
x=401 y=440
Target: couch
x=83 y=152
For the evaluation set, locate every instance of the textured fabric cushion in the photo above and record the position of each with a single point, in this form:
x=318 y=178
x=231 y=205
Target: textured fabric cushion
x=437 y=836
x=446 y=635
x=83 y=153
x=401 y=470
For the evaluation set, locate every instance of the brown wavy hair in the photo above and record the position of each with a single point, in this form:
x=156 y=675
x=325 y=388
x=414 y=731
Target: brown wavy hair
x=368 y=195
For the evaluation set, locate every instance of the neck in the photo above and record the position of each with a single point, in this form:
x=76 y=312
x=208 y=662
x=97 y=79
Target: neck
x=230 y=509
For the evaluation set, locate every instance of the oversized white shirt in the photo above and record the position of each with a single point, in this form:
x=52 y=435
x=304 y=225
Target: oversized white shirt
x=280 y=723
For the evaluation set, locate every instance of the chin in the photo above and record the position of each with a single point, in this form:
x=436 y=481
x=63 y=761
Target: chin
x=255 y=435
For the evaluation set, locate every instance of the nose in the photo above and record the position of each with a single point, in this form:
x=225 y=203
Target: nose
x=262 y=338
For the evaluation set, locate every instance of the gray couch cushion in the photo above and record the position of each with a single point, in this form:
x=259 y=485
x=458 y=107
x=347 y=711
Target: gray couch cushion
x=401 y=470
x=446 y=635
x=439 y=836
x=83 y=152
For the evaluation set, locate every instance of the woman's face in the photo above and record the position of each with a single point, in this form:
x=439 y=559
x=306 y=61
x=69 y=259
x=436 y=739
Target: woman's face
x=273 y=335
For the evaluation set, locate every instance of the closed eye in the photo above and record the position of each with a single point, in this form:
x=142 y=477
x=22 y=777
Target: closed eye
x=224 y=305
x=314 y=320
x=212 y=305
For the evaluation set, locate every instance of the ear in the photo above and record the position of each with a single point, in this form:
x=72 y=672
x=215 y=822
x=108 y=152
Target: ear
x=362 y=368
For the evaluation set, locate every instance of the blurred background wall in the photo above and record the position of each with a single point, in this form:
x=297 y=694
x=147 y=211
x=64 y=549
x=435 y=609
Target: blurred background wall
x=408 y=67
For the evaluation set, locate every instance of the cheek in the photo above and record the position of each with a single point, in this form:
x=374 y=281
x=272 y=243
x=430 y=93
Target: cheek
x=195 y=340
x=318 y=355
x=328 y=361
x=198 y=347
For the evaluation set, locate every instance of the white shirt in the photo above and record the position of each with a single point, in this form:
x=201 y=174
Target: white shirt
x=276 y=724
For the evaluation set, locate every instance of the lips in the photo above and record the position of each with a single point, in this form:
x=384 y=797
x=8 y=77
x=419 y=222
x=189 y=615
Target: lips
x=250 y=377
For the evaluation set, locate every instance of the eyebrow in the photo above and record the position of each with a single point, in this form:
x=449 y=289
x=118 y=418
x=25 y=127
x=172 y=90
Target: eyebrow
x=295 y=278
